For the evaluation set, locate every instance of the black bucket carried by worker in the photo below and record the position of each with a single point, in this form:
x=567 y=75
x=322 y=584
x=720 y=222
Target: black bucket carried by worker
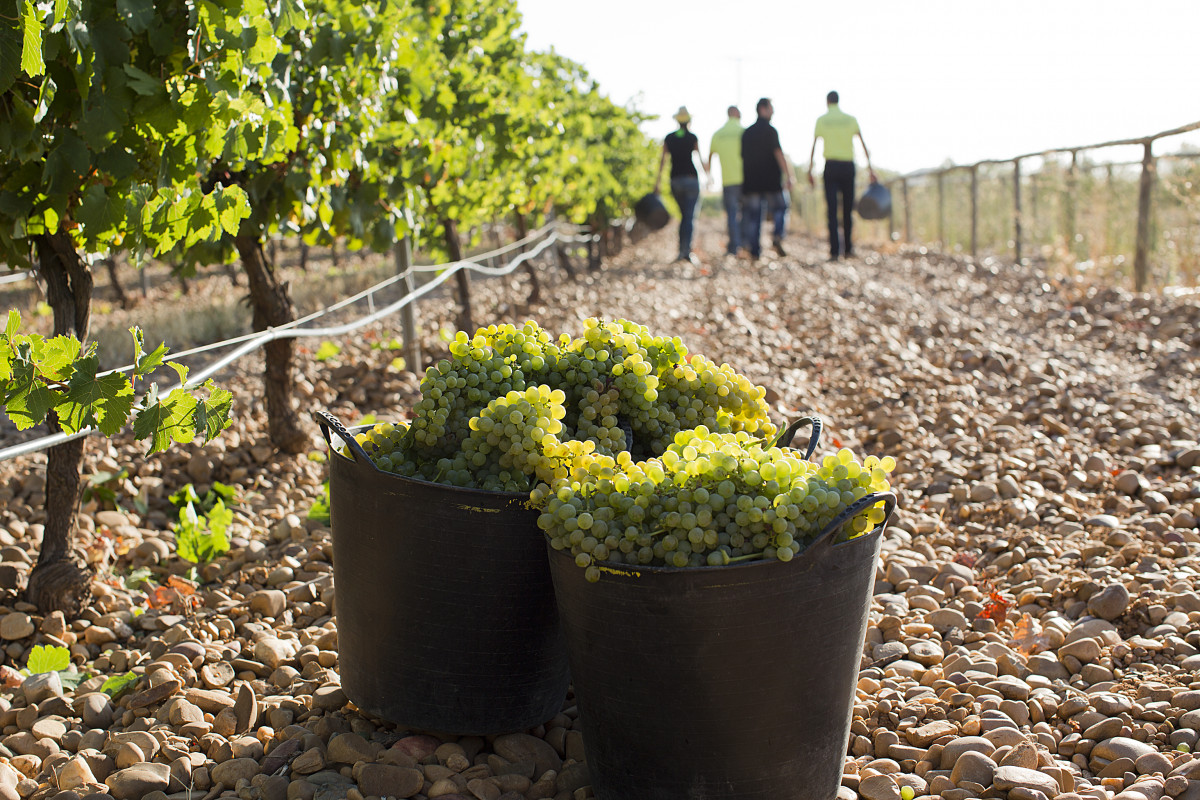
x=733 y=682
x=651 y=212
x=445 y=606
x=876 y=202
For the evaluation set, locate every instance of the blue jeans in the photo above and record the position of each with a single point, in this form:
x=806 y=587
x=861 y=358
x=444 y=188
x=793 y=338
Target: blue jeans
x=732 y=197
x=686 y=191
x=753 y=203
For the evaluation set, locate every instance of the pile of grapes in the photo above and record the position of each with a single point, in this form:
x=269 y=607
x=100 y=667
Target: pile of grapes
x=488 y=414
x=711 y=499
x=637 y=452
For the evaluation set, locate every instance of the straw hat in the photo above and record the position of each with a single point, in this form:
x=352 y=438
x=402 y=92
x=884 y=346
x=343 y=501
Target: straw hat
x=682 y=116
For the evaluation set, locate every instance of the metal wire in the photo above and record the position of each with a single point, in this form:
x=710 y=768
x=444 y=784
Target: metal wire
x=251 y=342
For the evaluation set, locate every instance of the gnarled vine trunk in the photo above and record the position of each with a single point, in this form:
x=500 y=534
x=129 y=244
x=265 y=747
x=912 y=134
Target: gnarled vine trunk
x=60 y=581
x=271 y=306
x=535 y=290
x=466 y=320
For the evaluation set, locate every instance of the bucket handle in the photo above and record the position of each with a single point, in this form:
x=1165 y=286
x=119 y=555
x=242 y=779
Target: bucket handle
x=325 y=421
x=827 y=536
x=785 y=438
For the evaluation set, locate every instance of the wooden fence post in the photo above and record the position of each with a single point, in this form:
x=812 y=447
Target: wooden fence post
x=1145 y=206
x=1017 y=208
x=1069 y=213
x=891 y=221
x=402 y=254
x=974 y=210
x=907 y=214
x=941 y=218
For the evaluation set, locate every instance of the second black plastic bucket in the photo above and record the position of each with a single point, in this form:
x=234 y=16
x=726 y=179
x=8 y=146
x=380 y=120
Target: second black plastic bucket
x=445 y=607
x=729 y=682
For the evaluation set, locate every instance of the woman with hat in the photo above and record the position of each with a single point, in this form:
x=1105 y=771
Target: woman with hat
x=685 y=181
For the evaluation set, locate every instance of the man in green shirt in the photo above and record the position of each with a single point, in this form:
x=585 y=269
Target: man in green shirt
x=838 y=129
x=727 y=145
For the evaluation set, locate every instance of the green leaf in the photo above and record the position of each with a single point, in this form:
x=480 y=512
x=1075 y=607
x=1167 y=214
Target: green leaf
x=31 y=404
x=10 y=51
x=98 y=213
x=144 y=363
x=137 y=14
x=55 y=356
x=211 y=416
x=108 y=399
x=48 y=659
x=14 y=323
x=184 y=496
x=320 y=507
x=118 y=685
x=327 y=350
x=292 y=16
x=71 y=680
x=31 y=49
x=142 y=83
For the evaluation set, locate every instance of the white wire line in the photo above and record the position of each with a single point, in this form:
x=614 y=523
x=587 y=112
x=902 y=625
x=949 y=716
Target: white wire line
x=542 y=231
x=250 y=344
x=17 y=276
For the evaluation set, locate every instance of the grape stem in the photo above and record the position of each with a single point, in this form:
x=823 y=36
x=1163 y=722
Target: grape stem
x=747 y=557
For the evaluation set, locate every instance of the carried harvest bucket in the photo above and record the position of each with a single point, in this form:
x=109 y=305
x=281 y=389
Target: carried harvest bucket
x=445 y=607
x=876 y=202
x=651 y=212
x=733 y=682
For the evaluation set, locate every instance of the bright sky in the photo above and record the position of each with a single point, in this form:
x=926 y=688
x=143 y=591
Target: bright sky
x=928 y=81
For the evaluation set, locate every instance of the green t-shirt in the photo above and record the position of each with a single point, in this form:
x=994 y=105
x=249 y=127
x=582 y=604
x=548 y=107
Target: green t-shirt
x=727 y=144
x=837 y=128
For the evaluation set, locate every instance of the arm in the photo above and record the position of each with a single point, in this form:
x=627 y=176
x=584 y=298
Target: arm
x=867 y=153
x=661 y=161
x=703 y=163
x=812 y=154
x=783 y=168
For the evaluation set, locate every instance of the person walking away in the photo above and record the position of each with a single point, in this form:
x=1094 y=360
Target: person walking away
x=685 y=181
x=727 y=146
x=838 y=129
x=764 y=176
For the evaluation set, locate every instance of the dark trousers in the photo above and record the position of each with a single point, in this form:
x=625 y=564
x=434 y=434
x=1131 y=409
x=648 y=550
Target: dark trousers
x=839 y=179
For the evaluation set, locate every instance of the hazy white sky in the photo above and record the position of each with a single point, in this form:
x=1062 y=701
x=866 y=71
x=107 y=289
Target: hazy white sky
x=928 y=80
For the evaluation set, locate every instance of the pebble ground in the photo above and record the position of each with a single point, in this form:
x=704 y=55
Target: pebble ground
x=1034 y=627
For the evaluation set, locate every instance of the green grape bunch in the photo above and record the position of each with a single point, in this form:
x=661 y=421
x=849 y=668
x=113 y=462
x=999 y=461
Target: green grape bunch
x=711 y=499
x=503 y=411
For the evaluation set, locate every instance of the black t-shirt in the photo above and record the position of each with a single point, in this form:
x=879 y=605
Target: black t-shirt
x=760 y=170
x=680 y=145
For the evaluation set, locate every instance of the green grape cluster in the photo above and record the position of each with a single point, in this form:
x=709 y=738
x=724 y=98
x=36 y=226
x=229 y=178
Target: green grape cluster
x=711 y=499
x=482 y=418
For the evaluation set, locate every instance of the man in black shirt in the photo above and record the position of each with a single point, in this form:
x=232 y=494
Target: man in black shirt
x=765 y=174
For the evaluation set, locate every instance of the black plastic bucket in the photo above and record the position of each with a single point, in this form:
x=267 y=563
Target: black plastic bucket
x=729 y=682
x=876 y=202
x=445 y=606
x=651 y=212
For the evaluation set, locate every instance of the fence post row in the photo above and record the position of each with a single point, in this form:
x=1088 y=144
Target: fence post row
x=1146 y=185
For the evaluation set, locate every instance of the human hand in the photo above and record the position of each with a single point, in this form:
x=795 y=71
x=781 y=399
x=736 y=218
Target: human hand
x=871 y=172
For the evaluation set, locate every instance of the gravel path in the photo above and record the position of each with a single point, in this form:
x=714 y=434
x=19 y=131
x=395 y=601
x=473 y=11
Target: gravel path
x=1034 y=629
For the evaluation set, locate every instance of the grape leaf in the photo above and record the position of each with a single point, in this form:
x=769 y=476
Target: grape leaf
x=14 y=323
x=106 y=398
x=31 y=48
x=118 y=685
x=55 y=356
x=211 y=416
x=137 y=14
x=30 y=403
x=143 y=362
x=48 y=659
x=160 y=421
x=10 y=52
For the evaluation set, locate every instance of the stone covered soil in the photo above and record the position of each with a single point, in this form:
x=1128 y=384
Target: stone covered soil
x=1035 y=627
